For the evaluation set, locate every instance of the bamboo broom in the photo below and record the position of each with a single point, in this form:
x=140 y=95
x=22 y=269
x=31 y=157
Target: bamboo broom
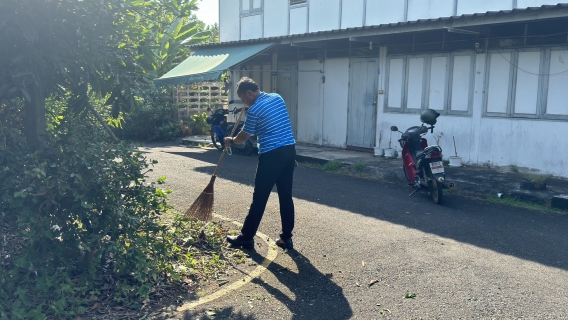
x=202 y=207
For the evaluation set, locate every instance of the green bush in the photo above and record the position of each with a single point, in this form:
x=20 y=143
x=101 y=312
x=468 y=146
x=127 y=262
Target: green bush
x=200 y=123
x=153 y=119
x=77 y=209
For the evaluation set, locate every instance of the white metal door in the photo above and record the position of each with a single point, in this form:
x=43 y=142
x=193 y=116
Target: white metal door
x=288 y=89
x=362 y=103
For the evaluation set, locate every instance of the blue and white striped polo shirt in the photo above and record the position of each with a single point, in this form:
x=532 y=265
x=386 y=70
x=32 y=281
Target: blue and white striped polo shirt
x=269 y=120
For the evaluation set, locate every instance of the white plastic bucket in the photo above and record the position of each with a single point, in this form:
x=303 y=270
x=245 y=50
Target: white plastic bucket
x=455 y=161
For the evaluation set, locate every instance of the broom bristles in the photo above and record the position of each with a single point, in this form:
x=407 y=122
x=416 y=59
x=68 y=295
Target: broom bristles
x=202 y=207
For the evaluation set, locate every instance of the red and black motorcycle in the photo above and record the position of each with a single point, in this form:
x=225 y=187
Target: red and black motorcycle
x=422 y=164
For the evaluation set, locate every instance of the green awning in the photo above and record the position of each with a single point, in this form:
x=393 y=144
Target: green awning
x=208 y=64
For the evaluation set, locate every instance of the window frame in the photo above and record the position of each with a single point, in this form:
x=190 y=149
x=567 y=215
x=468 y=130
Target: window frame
x=387 y=84
x=299 y=4
x=425 y=99
x=450 y=83
x=251 y=11
x=546 y=57
x=542 y=90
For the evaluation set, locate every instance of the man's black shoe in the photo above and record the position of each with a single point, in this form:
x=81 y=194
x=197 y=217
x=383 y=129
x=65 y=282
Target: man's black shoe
x=238 y=241
x=285 y=244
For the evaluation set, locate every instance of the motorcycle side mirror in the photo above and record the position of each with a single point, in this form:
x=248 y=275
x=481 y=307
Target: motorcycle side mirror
x=209 y=109
x=232 y=101
x=394 y=128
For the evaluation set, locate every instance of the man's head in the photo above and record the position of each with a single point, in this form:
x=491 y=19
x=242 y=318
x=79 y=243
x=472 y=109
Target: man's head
x=247 y=90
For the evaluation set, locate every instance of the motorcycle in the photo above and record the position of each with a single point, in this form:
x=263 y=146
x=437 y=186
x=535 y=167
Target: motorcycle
x=422 y=164
x=220 y=129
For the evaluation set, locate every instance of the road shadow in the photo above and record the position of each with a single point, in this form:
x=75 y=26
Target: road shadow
x=313 y=293
x=530 y=235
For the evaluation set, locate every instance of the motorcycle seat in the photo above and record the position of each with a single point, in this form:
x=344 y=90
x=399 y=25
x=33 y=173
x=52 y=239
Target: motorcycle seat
x=427 y=151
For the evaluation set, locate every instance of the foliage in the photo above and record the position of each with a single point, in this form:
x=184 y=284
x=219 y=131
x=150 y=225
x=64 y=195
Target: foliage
x=71 y=47
x=200 y=122
x=333 y=165
x=153 y=119
x=79 y=212
x=359 y=166
x=518 y=203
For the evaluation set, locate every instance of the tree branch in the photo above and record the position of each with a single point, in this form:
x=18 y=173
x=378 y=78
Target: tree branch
x=101 y=120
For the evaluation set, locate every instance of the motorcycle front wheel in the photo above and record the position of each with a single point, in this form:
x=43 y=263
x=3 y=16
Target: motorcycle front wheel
x=216 y=140
x=435 y=187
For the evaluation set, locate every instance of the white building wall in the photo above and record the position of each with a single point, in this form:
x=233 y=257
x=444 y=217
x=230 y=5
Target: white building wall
x=428 y=9
x=524 y=143
x=251 y=27
x=334 y=132
x=481 y=6
x=299 y=20
x=279 y=19
x=534 y=3
x=328 y=21
x=229 y=20
x=275 y=18
x=481 y=139
x=384 y=11
x=310 y=102
x=352 y=13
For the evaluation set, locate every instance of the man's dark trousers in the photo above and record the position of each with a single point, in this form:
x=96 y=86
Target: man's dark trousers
x=274 y=167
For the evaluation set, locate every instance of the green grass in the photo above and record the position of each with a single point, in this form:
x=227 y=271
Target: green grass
x=332 y=166
x=359 y=167
x=514 y=202
x=514 y=168
x=335 y=166
x=537 y=179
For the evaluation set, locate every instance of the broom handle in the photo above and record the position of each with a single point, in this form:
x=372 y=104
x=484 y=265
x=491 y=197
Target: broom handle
x=225 y=149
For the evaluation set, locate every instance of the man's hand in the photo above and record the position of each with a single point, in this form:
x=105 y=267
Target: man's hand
x=229 y=141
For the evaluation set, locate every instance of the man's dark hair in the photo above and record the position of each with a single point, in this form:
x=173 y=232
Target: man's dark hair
x=246 y=84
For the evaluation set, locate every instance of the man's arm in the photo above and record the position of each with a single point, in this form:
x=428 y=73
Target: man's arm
x=240 y=138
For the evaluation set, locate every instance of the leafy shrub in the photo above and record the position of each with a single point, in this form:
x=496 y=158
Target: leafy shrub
x=153 y=119
x=200 y=123
x=76 y=208
x=333 y=165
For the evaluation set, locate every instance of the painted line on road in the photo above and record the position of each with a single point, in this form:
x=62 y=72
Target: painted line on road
x=270 y=256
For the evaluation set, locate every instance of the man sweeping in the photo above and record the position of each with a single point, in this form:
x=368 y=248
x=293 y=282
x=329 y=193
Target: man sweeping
x=268 y=118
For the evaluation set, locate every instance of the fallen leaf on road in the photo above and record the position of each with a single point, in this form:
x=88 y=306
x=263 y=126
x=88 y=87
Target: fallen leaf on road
x=384 y=311
x=373 y=282
x=95 y=306
x=211 y=313
x=357 y=284
x=363 y=263
x=118 y=308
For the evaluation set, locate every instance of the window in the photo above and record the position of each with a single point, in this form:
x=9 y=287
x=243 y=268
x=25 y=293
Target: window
x=443 y=82
x=250 y=7
x=527 y=83
x=296 y=2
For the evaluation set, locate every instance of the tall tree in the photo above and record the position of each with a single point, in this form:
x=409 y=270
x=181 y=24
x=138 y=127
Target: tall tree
x=76 y=46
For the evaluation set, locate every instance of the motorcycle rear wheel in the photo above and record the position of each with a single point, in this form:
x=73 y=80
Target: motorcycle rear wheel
x=248 y=149
x=216 y=141
x=435 y=187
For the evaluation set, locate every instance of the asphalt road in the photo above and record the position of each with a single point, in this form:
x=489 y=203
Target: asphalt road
x=463 y=260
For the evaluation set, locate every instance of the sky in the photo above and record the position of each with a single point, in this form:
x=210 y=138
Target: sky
x=208 y=11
